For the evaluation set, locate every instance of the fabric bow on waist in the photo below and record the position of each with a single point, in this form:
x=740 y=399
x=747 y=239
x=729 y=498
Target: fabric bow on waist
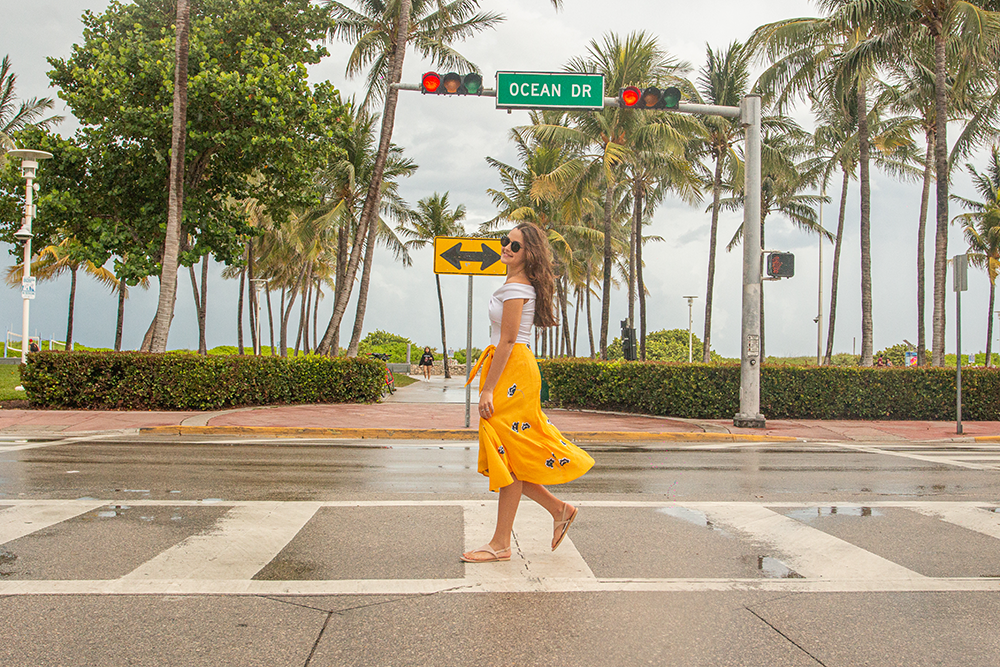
x=488 y=352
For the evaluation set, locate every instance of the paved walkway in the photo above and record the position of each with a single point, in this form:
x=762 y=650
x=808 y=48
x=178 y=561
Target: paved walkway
x=436 y=409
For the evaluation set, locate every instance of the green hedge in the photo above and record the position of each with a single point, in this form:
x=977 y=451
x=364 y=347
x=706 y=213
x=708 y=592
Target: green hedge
x=707 y=391
x=137 y=381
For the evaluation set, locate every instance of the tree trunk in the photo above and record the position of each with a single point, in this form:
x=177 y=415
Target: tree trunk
x=270 y=320
x=369 y=214
x=989 y=322
x=72 y=308
x=239 y=310
x=366 y=277
x=197 y=305
x=606 y=284
x=835 y=278
x=203 y=311
x=706 y=354
x=564 y=303
x=444 y=340
x=576 y=320
x=175 y=194
x=642 y=295
x=287 y=311
x=251 y=274
x=590 y=319
x=925 y=196
x=941 y=165
x=867 y=351
x=121 y=315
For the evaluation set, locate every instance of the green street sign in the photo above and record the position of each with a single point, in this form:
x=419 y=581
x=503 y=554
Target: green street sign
x=550 y=90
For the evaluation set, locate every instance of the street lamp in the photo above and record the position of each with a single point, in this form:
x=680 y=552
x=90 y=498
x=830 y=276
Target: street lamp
x=258 y=285
x=29 y=166
x=690 y=321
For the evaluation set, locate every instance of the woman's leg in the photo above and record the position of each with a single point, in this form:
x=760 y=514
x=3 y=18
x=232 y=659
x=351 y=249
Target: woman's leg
x=560 y=510
x=510 y=497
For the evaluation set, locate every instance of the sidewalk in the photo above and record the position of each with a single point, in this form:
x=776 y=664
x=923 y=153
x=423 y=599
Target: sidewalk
x=436 y=410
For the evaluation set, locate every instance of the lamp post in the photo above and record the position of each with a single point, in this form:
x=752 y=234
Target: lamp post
x=690 y=322
x=258 y=285
x=29 y=166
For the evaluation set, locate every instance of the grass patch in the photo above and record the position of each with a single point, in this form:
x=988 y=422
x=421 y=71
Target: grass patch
x=10 y=377
x=401 y=380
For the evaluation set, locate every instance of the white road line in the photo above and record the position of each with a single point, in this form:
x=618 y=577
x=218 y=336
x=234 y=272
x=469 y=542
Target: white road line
x=810 y=552
x=532 y=566
x=961 y=514
x=428 y=586
x=242 y=542
x=24 y=519
x=913 y=455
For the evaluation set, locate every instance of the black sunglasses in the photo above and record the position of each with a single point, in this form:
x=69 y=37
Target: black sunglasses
x=505 y=241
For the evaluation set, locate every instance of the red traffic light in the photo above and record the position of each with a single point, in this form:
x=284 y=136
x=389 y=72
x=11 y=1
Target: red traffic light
x=628 y=97
x=430 y=82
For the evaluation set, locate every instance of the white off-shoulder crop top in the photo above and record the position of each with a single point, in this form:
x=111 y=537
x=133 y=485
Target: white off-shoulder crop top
x=512 y=291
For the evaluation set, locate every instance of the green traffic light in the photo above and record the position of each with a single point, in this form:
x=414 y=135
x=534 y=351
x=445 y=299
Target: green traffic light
x=671 y=98
x=473 y=84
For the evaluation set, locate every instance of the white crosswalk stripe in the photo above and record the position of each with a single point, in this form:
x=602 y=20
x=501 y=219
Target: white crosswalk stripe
x=223 y=559
x=963 y=455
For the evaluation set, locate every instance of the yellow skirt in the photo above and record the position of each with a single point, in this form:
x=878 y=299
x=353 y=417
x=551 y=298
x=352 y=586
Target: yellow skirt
x=518 y=440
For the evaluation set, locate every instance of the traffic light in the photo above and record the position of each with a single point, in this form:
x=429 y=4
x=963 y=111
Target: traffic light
x=781 y=265
x=451 y=83
x=649 y=98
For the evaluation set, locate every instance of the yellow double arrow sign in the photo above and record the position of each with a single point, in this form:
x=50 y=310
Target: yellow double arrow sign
x=468 y=256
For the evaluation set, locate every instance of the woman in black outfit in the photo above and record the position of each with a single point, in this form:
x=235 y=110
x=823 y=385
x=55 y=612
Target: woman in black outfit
x=426 y=361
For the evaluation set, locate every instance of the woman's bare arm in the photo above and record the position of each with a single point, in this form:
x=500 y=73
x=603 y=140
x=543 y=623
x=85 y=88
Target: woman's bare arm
x=510 y=324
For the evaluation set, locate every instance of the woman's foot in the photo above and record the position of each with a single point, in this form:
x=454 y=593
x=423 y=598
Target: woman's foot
x=561 y=526
x=486 y=554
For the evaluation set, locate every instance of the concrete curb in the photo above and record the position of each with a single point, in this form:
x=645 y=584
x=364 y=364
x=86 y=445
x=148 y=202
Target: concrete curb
x=446 y=434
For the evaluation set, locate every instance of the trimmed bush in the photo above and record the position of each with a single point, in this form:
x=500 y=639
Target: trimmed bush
x=708 y=391
x=137 y=381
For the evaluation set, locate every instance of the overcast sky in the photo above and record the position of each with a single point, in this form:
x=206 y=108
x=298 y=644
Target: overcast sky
x=450 y=138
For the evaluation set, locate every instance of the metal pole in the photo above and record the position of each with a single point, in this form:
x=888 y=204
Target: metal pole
x=28 y=167
x=958 y=360
x=468 y=358
x=690 y=324
x=749 y=415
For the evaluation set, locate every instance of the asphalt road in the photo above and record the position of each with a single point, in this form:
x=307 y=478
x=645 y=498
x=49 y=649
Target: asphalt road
x=292 y=552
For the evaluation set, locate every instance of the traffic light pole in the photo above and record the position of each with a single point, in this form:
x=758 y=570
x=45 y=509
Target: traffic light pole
x=749 y=415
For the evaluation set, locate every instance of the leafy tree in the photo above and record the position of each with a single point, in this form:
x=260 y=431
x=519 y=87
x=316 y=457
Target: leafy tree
x=255 y=127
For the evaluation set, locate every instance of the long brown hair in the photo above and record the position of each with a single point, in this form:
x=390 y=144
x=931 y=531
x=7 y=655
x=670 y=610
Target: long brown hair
x=538 y=269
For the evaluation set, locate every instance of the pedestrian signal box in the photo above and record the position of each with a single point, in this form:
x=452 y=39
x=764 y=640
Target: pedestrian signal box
x=781 y=265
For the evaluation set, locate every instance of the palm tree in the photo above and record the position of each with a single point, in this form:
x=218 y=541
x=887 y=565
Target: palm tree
x=982 y=231
x=433 y=218
x=976 y=26
x=835 y=56
x=381 y=32
x=612 y=133
x=53 y=260
x=175 y=187
x=15 y=117
x=723 y=80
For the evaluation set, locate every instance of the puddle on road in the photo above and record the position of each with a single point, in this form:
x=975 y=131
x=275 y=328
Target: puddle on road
x=113 y=511
x=695 y=517
x=809 y=513
x=775 y=569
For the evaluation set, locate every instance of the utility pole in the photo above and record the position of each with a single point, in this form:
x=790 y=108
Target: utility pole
x=690 y=322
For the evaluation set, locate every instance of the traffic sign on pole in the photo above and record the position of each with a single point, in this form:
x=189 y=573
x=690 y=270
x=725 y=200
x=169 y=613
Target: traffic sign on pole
x=550 y=90
x=468 y=256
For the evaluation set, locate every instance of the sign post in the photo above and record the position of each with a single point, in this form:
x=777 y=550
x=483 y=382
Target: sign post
x=961 y=274
x=472 y=257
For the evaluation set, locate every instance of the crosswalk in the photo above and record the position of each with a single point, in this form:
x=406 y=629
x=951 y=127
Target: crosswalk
x=972 y=456
x=227 y=552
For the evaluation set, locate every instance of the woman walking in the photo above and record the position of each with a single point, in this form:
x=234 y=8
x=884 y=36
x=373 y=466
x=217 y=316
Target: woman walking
x=519 y=450
x=426 y=361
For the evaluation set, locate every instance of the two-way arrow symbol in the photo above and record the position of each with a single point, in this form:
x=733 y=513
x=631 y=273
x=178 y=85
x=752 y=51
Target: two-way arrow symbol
x=455 y=256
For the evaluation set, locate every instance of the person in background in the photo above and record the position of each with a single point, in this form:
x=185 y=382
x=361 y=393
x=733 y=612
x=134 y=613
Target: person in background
x=426 y=361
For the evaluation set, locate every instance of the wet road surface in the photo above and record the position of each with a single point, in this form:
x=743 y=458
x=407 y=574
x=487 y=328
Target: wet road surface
x=291 y=552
